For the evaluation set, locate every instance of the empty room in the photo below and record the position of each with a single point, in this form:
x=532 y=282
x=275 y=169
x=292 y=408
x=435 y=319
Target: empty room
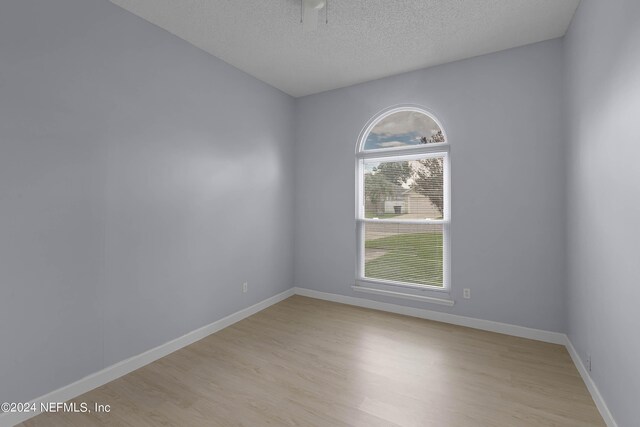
x=320 y=213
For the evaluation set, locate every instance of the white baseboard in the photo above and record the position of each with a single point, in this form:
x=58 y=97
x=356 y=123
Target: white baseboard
x=470 y=322
x=591 y=386
x=113 y=372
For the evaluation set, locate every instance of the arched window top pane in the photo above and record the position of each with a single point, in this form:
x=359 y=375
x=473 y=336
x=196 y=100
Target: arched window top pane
x=402 y=129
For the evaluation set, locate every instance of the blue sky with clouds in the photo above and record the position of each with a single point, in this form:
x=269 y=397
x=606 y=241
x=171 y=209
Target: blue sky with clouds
x=376 y=140
x=401 y=129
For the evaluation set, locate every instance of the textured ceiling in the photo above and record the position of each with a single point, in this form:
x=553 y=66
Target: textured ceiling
x=364 y=40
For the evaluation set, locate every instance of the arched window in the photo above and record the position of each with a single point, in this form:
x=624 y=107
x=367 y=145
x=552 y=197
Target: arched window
x=403 y=213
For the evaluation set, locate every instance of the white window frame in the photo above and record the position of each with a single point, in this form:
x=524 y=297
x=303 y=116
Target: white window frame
x=401 y=154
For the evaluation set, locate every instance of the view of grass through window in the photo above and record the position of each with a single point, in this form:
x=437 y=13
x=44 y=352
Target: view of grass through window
x=404 y=253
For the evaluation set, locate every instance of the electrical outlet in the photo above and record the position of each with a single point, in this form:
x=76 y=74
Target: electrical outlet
x=587 y=362
x=466 y=293
x=245 y=286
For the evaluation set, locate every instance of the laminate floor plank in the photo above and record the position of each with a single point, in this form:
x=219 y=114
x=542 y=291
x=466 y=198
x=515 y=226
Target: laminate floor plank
x=307 y=362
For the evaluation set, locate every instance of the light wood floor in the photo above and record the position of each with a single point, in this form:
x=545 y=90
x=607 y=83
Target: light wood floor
x=307 y=362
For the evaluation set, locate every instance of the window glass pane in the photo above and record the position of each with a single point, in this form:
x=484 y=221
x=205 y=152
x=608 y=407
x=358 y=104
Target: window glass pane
x=403 y=129
x=404 y=253
x=404 y=190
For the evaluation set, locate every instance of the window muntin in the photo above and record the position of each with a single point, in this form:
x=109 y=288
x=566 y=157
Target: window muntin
x=403 y=201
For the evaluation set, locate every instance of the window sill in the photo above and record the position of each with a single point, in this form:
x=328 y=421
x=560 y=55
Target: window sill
x=433 y=300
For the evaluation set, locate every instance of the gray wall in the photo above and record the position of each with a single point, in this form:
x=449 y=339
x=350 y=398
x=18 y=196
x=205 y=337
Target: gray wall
x=502 y=113
x=141 y=182
x=603 y=128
